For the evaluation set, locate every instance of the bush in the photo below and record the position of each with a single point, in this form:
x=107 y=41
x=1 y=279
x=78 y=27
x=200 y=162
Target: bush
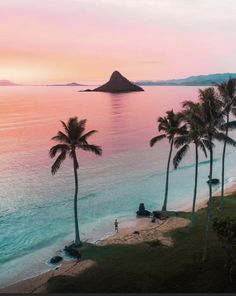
x=226 y=232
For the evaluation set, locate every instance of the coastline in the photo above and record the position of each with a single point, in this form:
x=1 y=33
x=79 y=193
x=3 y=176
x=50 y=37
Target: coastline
x=230 y=189
x=147 y=231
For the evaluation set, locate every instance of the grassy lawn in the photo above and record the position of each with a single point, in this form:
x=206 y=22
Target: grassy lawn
x=151 y=267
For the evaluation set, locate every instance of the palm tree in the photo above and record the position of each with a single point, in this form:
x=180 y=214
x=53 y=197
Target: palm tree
x=212 y=116
x=227 y=91
x=170 y=125
x=72 y=138
x=194 y=134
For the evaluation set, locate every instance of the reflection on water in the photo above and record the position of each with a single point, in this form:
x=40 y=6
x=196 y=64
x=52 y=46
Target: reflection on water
x=119 y=114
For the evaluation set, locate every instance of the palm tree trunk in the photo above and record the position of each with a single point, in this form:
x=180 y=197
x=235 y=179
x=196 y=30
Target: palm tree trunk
x=167 y=176
x=77 y=236
x=195 y=186
x=209 y=205
x=223 y=168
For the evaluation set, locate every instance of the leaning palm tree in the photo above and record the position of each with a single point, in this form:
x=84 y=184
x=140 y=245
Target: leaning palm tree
x=170 y=125
x=227 y=91
x=71 y=139
x=212 y=116
x=194 y=134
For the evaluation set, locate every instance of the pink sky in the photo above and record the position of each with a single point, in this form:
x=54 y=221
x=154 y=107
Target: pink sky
x=85 y=40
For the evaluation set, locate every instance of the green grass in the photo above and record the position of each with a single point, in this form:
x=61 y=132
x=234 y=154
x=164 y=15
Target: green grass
x=151 y=267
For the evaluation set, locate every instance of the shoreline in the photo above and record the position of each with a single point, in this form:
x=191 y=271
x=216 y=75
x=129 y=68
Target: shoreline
x=147 y=232
x=230 y=189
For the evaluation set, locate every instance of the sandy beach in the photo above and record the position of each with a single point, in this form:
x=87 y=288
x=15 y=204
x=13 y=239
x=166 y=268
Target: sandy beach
x=143 y=230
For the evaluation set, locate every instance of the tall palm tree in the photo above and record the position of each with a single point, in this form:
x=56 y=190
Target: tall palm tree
x=170 y=125
x=194 y=134
x=227 y=91
x=213 y=118
x=71 y=139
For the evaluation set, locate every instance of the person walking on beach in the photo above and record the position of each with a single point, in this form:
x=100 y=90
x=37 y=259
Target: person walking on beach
x=116 y=225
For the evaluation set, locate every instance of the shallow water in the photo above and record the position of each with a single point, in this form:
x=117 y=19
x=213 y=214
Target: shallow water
x=36 y=209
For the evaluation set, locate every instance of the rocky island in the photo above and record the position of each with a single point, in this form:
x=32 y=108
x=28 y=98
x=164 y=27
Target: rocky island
x=67 y=84
x=117 y=84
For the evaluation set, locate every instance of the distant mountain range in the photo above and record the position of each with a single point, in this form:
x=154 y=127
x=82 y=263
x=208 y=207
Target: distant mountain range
x=7 y=83
x=67 y=84
x=201 y=80
x=10 y=83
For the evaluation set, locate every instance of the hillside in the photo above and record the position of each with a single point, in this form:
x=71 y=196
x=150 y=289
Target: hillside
x=200 y=80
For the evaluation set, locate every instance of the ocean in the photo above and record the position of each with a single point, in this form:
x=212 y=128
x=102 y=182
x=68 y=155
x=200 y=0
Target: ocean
x=36 y=208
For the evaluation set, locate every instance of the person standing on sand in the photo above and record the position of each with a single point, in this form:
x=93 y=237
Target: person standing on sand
x=116 y=225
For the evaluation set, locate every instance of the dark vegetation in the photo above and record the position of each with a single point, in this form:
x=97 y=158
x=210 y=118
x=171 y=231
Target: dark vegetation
x=151 y=267
x=226 y=231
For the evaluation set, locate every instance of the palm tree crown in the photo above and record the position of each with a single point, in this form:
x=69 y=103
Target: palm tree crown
x=212 y=115
x=227 y=91
x=73 y=137
x=194 y=131
x=169 y=124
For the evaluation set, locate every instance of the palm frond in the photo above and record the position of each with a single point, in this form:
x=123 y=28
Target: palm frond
x=181 y=140
x=188 y=103
x=208 y=144
x=163 y=124
x=58 y=162
x=180 y=155
x=65 y=127
x=203 y=148
x=61 y=137
x=75 y=128
x=82 y=125
x=223 y=138
x=233 y=110
x=227 y=89
x=91 y=148
x=231 y=125
x=182 y=130
x=58 y=148
x=156 y=139
x=84 y=137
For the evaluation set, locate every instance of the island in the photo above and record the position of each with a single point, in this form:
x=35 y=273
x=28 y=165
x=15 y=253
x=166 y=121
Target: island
x=67 y=84
x=7 y=83
x=117 y=84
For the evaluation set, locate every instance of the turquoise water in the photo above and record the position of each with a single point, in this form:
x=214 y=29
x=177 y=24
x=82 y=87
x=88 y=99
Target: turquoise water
x=36 y=209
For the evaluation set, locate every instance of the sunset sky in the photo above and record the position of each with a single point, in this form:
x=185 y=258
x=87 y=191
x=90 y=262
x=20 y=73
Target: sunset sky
x=85 y=40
